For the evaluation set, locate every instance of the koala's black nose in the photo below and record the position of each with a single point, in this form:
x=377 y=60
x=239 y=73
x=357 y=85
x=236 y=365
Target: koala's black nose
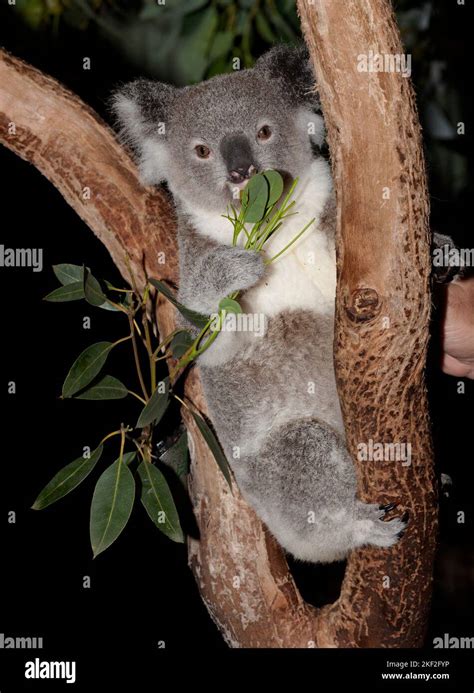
x=242 y=173
x=238 y=157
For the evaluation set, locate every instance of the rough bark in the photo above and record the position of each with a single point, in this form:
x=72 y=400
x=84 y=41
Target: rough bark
x=383 y=308
x=383 y=271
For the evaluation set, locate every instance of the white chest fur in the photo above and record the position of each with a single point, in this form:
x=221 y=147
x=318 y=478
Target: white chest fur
x=304 y=276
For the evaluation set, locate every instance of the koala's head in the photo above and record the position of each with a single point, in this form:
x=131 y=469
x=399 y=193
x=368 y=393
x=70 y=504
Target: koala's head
x=206 y=140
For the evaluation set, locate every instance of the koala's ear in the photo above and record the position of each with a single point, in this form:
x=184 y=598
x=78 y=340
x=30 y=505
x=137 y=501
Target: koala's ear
x=313 y=124
x=141 y=110
x=291 y=65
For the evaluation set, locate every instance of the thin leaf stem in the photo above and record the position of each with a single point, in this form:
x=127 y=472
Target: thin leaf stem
x=181 y=401
x=149 y=349
x=140 y=450
x=267 y=262
x=116 y=305
x=137 y=358
x=109 y=435
x=122 y=291
x=137 y=329
x=132 y=276
x=131 y=392
x=122 y=442
x=124 y=339
x=165 y=342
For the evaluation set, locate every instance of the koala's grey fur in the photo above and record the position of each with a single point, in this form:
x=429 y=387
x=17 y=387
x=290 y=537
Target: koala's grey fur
x=272 y=399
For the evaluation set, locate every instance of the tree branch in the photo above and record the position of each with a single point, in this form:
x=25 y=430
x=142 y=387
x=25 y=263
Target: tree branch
x=382 y=312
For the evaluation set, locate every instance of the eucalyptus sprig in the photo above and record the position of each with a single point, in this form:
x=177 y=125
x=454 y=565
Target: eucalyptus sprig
x=115 y=490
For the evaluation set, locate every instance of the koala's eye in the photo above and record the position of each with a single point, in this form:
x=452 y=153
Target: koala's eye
x=264 y=133
x=202 y=151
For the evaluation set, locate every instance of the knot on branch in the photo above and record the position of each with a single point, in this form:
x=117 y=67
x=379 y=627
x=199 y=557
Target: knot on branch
x=364 y=305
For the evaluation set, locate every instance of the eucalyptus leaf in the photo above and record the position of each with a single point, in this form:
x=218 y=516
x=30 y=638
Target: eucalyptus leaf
x=221 y=45
x=108 y=306
x=230 y=305
x=128 y=458
x=286 y=6
x=69 y=292
x=86 y=367
x=92 y=290
x=246 y=42
x=35 y=14
x=180 y=343
x=191 y=58
x=283 y=28
x=72 y=276
x=288 y=9
x=124 y=299
x=67 y=479
x=156 y=405
x=214 y=446
x=275 y=182
x=107 y=387
x=241 y=21
x=255 y=198
x=112 y=505
x=219 y=67
x=264 y=28
x=157 y=500
x=195 y=318
x=69 y=274
x=177 y=457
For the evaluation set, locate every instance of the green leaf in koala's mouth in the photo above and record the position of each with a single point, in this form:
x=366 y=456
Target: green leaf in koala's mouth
x=260 y=194
x=275 y=183
x=255 y=198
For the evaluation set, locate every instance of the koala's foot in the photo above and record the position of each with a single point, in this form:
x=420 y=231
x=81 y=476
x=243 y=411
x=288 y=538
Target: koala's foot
x=370 y=526
x=302 y=483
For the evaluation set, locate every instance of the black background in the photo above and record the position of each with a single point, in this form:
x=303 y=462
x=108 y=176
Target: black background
x=142 y=591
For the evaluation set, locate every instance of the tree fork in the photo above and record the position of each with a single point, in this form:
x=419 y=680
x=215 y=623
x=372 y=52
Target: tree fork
x=383 y=268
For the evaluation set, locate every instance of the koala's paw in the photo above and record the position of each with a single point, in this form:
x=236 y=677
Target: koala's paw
x=447 y=262
x=247 y=268
x=371 y=527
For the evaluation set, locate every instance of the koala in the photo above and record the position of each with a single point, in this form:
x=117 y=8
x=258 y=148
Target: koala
x=272 y=396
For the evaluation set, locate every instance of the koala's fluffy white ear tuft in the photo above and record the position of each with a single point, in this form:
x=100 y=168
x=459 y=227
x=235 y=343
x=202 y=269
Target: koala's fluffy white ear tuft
x=313 y=124
x=141 y=109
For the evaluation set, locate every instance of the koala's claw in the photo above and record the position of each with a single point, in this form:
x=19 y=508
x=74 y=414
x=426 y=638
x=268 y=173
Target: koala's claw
x=371 y=527
x=388 y=507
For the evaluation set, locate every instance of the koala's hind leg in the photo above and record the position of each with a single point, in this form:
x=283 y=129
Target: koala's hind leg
x=303 y=485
